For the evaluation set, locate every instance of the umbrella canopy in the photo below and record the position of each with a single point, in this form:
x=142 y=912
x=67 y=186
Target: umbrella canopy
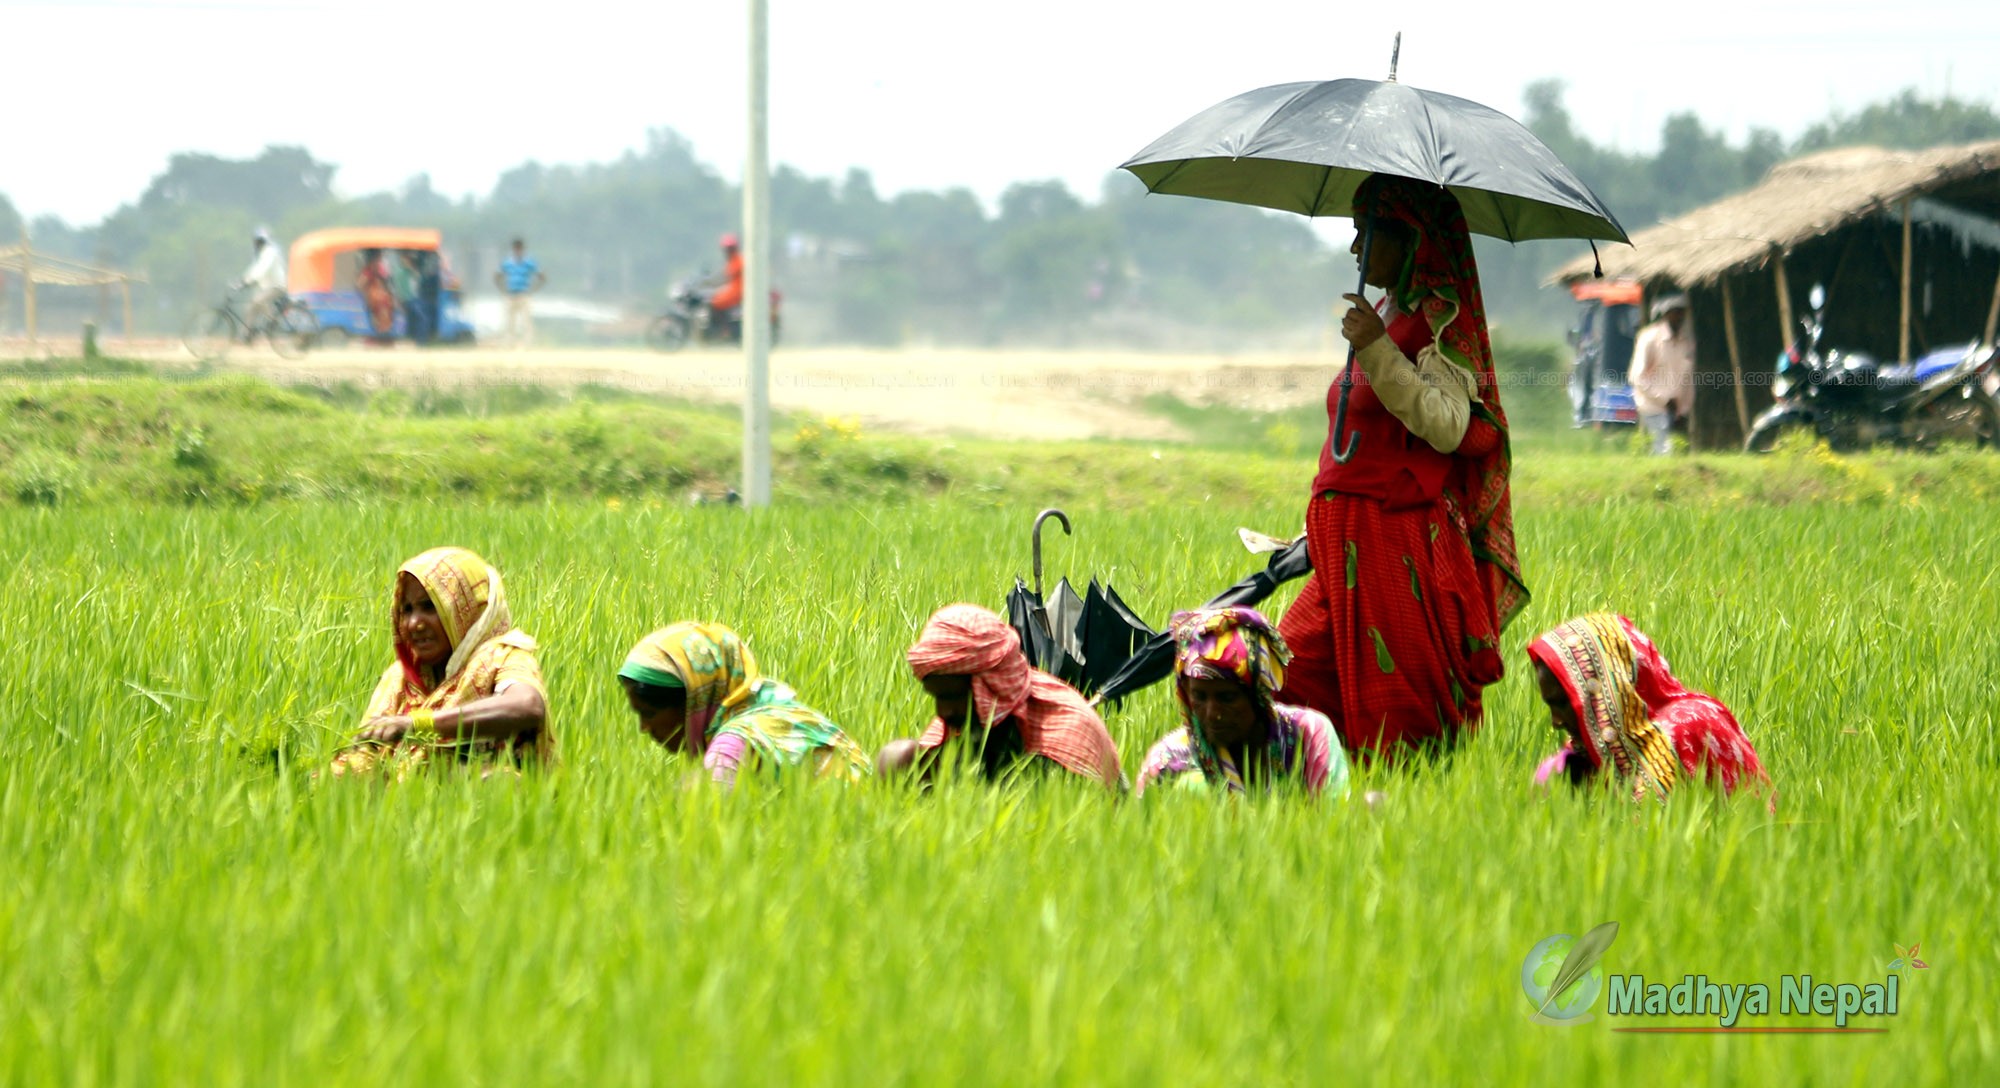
x=1306 y=147
x=1082 y=640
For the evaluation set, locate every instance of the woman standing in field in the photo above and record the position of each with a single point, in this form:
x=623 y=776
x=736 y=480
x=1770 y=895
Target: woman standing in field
x=464 y=686
x=987 y=696
x=696 y=689
x=1617 y=704
x=1228 y=665
x=1412 y=540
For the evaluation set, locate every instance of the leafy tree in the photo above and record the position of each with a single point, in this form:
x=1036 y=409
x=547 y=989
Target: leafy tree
x=1906 y=121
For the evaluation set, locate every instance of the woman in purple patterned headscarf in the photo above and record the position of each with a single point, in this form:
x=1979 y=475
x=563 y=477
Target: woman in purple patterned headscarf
x=1228 y=664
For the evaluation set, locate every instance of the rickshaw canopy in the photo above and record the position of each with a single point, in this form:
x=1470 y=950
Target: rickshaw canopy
x=1609 y=292
x=313 y=254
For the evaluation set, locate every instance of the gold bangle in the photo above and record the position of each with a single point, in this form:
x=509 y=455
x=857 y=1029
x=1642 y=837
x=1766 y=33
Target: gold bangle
x=423 y=720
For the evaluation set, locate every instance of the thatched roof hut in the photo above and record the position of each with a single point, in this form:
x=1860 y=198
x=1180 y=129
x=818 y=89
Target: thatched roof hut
x=1907 y=244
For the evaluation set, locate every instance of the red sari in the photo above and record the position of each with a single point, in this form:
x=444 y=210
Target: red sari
x=1636 y=720
x=373 y=283
x=1398 y=631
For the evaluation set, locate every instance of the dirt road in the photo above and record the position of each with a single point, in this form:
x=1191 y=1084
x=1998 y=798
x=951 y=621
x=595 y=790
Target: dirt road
x=1076 y=394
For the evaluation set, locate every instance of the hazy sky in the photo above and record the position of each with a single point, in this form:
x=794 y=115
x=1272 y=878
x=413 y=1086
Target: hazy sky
x=922 y=93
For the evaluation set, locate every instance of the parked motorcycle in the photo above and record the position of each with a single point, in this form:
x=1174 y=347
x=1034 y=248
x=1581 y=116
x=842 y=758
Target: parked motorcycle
x=1851 y=401
x=690 y=318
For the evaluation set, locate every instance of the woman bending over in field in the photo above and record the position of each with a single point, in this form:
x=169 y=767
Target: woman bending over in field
x=696 y=689
x=989 y=699
x=1227 y=665
x=1619 y=708
x=464 y=687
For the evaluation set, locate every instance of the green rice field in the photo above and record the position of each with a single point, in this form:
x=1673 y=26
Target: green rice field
x=183 y=904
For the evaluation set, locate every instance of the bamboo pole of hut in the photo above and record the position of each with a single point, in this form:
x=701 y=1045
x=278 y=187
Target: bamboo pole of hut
x=1992 y=314
x=125 y=289
x=1735 y=354
x=1903 y=336
x=1785 y=326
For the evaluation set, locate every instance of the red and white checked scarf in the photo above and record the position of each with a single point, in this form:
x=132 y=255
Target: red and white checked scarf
x=1054 y=720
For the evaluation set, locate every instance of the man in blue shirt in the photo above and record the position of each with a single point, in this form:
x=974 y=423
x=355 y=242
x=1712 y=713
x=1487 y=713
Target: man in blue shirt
x=519 y=277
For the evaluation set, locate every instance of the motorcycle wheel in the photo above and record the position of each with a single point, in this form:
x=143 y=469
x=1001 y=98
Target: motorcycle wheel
x=1950 y=419
x=668 y=332
x=1784 y=433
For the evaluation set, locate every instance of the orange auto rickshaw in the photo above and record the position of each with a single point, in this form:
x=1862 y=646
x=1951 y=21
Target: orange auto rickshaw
x=325 y=265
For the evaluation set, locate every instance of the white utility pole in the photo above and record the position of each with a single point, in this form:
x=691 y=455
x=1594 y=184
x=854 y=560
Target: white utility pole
x=757 y=270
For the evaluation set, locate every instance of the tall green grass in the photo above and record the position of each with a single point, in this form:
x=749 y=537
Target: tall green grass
x=182 y=905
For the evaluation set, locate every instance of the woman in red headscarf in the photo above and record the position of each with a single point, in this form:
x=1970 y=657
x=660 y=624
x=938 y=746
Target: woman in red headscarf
x=1412 y=539
x=1623 y=715
x=998 y=709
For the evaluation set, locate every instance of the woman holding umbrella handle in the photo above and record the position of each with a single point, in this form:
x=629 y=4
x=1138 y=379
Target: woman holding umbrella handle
x=1412 y=538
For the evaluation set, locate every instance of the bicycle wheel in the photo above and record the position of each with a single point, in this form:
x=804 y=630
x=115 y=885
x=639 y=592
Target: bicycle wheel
x=210 y=333
x=293 y=331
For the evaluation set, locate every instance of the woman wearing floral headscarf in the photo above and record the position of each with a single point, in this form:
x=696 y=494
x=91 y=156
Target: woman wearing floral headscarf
x=695 y=688
x=1228 y=664
x=1412 y=539
x=464 y=684
x=1610 y=693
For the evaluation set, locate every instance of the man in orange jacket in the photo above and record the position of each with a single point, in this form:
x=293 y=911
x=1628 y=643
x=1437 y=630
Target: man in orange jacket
x=728 y=298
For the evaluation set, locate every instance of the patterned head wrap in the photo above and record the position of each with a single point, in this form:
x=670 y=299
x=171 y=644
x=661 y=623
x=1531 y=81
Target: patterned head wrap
x=470 y=604
x=1634 y=715
x=707 y=659
x=727 y=694
x=1237 y=644
x=1440 y=281
x=967 y=640
x=1054 y=721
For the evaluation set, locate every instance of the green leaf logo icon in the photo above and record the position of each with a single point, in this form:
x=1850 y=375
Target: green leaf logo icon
x=1583 y=956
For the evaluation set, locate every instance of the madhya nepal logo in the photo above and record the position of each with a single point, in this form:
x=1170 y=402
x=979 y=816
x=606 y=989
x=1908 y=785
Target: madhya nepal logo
x=1563 y=981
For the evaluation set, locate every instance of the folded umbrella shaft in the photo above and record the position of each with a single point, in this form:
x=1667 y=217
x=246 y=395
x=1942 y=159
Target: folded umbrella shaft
x=1154 y=660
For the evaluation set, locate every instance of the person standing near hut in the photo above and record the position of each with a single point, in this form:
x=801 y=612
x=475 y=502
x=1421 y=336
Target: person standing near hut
x=1412 y=538
x=1662 y=371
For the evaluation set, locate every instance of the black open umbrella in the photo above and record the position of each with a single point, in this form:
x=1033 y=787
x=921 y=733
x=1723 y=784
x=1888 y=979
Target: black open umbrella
x=1307 y=147
x=1081 y=640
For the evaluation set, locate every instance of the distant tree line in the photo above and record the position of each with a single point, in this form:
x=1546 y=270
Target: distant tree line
x=1047 y=266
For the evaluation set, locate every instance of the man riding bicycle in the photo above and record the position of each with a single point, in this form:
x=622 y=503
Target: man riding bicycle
x=264 y=279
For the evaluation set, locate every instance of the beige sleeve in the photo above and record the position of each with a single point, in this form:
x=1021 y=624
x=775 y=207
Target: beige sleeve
x=1432 y=396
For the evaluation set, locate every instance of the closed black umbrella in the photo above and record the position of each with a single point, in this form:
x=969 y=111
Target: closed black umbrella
x=1153 y=660
x=1081 y=640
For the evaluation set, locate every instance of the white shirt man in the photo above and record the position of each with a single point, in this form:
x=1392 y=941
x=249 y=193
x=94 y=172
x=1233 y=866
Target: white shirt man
x=1662 y=370
x=264 y=279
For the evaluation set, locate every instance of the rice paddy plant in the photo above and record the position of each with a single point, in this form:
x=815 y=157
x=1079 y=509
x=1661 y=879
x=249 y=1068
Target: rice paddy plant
x=183 y=904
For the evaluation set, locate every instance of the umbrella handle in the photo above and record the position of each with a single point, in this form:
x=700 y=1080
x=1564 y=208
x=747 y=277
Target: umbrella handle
x=1036 y=536
x=1344 y=453
x=1344 y=444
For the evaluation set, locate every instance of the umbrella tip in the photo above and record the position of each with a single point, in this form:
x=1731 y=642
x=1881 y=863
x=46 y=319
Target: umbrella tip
x=1395 y=55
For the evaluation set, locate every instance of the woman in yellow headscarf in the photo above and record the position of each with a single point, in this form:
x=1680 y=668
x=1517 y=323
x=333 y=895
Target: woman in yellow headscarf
x=696 y=689
x=465 y=684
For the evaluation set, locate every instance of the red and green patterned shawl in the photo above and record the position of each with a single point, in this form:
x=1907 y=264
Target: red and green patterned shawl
x=1441 y=282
